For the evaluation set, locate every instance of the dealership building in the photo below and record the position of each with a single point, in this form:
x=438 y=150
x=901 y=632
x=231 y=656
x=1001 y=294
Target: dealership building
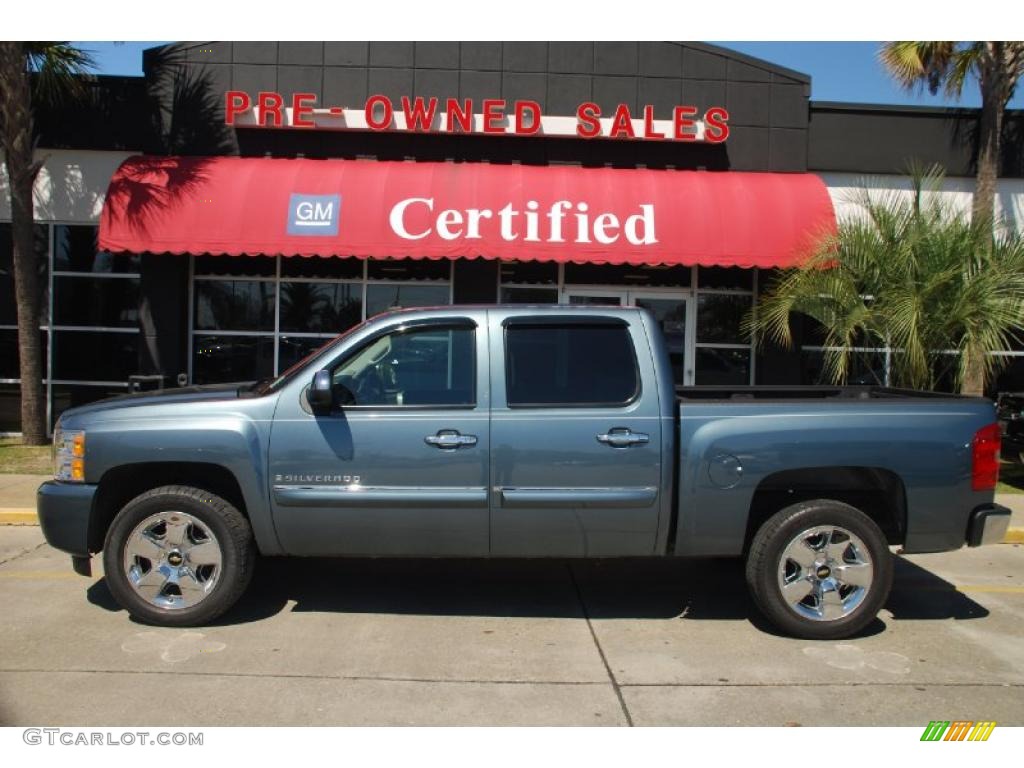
x=240 y=203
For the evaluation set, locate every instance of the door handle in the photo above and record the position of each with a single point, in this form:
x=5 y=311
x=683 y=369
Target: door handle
x=449 y=440
x=623 y=437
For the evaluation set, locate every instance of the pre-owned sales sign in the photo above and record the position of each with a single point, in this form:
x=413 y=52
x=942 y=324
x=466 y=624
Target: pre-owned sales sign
x=487 y=116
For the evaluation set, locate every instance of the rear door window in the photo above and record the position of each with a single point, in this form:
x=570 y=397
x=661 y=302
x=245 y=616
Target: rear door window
x=581 y=365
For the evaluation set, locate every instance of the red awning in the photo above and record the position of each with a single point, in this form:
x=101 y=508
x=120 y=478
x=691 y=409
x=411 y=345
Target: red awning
x=235 y=206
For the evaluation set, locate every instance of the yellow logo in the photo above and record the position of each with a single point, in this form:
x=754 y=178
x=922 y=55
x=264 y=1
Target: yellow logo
x=958 y=730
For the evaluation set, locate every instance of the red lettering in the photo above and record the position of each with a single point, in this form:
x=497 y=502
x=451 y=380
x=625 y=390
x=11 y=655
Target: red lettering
x=269 y=104
x=459 y=113
x=384 y=122
x=301 y=110
x=417 y=116
x=522 y=107
x=588 y=123
x=494 y=115
x=716 y=128
x=649 y=132
x=622 y=123
x=680 y=120
x=235 y=103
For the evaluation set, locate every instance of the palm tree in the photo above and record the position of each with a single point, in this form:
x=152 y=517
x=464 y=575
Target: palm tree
x=947 y=64
x=911 y=273
x=49 y=69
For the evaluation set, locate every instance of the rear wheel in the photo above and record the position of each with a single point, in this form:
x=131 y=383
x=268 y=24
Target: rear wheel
x=820 y=570
x=178 y=556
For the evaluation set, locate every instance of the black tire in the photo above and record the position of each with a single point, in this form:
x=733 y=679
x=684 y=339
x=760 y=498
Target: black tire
x=766 y=558
x=233 y=536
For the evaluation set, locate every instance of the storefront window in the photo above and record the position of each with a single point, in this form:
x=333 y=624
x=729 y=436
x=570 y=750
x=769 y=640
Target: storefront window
x=74 y=250
x=719 y=317
x=320 y=307
x=722 y=366
x=234 y=305
x=232 y=358
x=97 y=302
x=380 y=297
x=628 y=275
x=520 y=294
x=256 y=316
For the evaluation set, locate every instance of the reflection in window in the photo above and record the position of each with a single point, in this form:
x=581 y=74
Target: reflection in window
x=380 y=297
x=95 y=355
x=291 y=349
x=308 y=307
x=719 y=317
x=424 y=366
x=112 y=303
x=234 y=305
x=722 y=366
x=217 y=359
x=74 y=250
x=519 y=295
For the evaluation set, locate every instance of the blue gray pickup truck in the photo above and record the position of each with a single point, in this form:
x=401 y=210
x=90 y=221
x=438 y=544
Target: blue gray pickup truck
x=519 y=432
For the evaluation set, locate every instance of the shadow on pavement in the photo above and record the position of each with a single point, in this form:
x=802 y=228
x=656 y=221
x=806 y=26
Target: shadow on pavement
x=711 y=589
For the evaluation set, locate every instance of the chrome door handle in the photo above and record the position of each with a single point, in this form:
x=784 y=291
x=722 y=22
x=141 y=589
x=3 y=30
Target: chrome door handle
x=623 y=437
x=449 y=440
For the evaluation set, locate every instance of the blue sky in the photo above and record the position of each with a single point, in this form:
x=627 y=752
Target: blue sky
x=839 y=71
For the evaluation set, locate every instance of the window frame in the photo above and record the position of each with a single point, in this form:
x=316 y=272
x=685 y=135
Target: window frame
x=456 y=323
x=569 y=321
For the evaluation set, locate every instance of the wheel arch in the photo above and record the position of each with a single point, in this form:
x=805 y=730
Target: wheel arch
x=121 y=484
x=879 y=493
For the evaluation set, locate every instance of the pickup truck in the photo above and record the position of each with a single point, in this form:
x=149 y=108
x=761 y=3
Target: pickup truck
x=511 y=431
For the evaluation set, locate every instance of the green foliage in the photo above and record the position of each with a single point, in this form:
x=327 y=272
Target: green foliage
x=910 y=272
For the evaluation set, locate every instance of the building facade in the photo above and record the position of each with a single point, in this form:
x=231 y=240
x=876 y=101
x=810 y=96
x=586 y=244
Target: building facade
x=158 y=316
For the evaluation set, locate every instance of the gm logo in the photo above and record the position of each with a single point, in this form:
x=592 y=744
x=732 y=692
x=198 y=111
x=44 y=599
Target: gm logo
x=314 y=214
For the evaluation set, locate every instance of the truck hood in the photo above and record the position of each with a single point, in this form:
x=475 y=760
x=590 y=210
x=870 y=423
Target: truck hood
x=162 y=397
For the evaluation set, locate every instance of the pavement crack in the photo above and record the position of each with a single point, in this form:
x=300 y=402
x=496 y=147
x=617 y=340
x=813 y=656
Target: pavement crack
x=600 y=650
x=12 y=558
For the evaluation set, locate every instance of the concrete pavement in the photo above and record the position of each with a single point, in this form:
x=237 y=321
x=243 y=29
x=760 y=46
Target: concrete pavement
x=508 y=642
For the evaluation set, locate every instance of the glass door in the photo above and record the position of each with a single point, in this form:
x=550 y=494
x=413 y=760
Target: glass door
x=672 y=312
x=673 y=309
x=599 y=296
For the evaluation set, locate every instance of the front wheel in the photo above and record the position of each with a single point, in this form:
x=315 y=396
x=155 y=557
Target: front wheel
x=820 y=570
x=178 y=556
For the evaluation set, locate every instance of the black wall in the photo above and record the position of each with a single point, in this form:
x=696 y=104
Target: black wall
x=868 y=138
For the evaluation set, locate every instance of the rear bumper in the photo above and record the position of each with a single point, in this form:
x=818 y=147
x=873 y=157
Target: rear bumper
x=987 y=525
x=64 y=512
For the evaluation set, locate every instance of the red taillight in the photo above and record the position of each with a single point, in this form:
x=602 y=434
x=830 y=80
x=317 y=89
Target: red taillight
x=985 y=458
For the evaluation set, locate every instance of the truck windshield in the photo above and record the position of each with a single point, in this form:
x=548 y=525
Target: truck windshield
x=267 y=386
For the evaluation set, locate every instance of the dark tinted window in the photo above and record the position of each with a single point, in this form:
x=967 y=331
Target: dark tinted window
x=95 y=356
x=578 y=365
x=8 y=308
x=74 y=250
x=380 y=297
x=308 y=307
x=422 y=366
x=234 y=305
x=97 y=301
x=219 y=359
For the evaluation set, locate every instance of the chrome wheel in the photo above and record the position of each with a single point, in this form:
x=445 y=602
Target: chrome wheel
x=172 y=560
x=824 y=573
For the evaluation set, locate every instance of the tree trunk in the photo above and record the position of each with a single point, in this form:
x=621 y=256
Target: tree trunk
x=16 y=116
x=973 y=381
x=990 y=128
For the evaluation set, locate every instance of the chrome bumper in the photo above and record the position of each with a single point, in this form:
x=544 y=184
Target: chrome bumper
x=988 y=525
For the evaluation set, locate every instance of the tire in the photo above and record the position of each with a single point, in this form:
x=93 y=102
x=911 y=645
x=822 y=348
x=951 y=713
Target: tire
x=178 y=556
x=820 y=570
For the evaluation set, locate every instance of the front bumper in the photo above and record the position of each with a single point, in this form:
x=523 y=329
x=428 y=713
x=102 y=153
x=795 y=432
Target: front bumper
x=65 y=510
x=987 y=525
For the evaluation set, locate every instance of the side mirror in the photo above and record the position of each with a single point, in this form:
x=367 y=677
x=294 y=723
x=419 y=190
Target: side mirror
x=319 y=393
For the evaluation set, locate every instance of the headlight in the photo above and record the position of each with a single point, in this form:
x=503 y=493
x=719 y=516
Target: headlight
x=69 y=455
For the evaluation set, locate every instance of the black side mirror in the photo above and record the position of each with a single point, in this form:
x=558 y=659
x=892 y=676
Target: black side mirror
x=319 y=393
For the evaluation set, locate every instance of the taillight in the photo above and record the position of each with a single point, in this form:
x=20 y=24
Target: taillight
x=985 y=458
